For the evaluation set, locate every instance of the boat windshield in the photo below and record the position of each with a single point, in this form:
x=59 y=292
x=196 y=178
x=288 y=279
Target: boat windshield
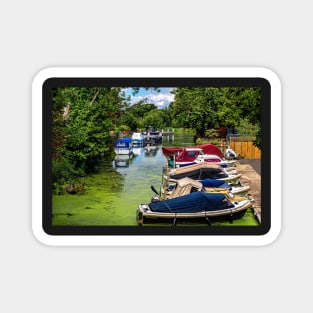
x=192 y=153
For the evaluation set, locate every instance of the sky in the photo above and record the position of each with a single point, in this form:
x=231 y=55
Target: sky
x=161 y=99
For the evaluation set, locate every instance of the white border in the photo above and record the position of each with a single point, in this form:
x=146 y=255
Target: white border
x=215 y=240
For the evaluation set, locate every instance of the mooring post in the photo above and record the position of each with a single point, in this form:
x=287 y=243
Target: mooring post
x=140 y=218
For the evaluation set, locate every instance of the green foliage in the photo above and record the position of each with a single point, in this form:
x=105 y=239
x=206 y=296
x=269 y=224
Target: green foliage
x=239 y=103
x=140 y=108
x=211 y=133
x=82 y=135
x=129 y=119
x=158 y=118
x=63 y=172
x=257 y=142
x=88 y=127
x=209 y=108
x=196 y=108
x=124 y=128
x=245 y=128
x=83 y=118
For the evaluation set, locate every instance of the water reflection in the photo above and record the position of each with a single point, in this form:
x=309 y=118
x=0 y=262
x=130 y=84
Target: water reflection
x=151 y=151
x=122 y=160
x=168 y=138
x=147 y=160
x=137 y=150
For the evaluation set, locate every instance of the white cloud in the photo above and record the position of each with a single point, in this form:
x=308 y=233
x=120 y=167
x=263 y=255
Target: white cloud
x=160 y=99
x=160 y=103
x=135 y=99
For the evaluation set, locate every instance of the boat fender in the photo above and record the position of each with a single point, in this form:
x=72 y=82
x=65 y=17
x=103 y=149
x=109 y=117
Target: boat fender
x=155 y=199
x=231 y=217
x=208 y=221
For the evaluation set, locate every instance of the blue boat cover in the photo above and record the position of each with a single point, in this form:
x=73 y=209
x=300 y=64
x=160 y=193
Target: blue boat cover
x=214 y=183
x=192 y=203
x=123 y=143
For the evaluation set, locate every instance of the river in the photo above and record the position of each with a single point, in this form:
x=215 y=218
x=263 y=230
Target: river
x=112 y=196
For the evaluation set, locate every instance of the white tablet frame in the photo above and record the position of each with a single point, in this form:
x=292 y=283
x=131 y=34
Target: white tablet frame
x=155 y=72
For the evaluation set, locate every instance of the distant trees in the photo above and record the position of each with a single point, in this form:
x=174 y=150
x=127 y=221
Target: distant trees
x=134 y=115
x=158 y=118
x=143 y=114
x=241 y=108
x=84 y=120
x=208 y=108
x=196 y=108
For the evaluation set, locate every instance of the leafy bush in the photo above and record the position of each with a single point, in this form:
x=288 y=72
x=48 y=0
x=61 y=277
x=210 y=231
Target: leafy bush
x=211 y=133
x=63 y=172
x=245 y=128
x=222 y=132
x=125 y=128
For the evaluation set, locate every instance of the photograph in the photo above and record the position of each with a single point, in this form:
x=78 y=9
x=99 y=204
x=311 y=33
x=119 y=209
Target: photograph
x=156 y=156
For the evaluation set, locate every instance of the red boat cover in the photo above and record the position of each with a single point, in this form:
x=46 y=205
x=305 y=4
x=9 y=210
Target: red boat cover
x=187 y=156
x=207 y=148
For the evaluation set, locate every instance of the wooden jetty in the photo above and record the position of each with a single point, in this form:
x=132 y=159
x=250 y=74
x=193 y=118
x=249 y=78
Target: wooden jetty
x=253 y=179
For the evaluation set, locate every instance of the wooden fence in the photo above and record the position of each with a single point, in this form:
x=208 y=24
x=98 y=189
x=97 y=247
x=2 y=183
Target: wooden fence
x=245 y=149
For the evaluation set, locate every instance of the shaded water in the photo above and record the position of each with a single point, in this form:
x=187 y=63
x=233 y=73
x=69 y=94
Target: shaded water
x=112 y=196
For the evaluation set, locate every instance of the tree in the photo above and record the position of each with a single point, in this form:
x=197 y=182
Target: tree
x=140 y=108
x=242 y=106
x=157 y=118
x=208 y=108
x=128 y=118
x=196 y=108
x=82 y=136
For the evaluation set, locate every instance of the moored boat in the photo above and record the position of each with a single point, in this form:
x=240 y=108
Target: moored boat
x=207 y=148
x=197 y=205
x=138 y=139
x=152 y=135
x=202 y=172
x=123 y=146
x=222 y=186
x=197 y=166
x=176 y=188
x=189 y=156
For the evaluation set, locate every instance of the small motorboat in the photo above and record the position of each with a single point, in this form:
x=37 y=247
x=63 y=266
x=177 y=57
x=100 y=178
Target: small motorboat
x=190 y=156
x=176 y=188
x=197 y=166
x=207 y=148
x=199 y=172
x=152 y=135
x=196 y=205
x=138 y=139
x=222 y=186
x=123 y=146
